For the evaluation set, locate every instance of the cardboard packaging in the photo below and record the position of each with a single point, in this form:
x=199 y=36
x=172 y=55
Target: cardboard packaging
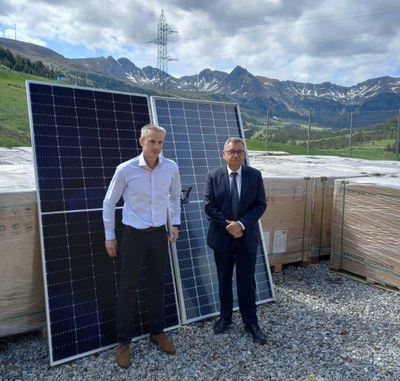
x=284 y=219
x=286 y=223
x=320 y=243
x=365 y=228
x=22 y=306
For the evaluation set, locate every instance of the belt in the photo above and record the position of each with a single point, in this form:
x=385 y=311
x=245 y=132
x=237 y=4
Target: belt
x=146 y=230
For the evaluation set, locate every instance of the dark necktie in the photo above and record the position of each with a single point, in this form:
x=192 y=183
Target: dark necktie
x=234 y=196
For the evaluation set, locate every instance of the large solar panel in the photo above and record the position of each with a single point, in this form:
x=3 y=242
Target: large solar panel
x=79 y=137
x=197 y=131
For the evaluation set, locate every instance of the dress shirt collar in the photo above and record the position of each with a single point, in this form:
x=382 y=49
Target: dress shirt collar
x=142 y=162
x=239 y=171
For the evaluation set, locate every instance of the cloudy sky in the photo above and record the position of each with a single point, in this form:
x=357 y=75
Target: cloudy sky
x=342 y=41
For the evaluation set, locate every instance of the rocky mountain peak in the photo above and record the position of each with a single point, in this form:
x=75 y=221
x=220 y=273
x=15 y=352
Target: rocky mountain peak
x=256 y=93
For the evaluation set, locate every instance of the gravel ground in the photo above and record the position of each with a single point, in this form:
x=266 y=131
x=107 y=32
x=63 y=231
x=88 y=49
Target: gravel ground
x=323 y=326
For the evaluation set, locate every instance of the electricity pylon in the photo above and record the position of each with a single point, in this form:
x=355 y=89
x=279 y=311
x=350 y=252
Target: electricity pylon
x=162 y=51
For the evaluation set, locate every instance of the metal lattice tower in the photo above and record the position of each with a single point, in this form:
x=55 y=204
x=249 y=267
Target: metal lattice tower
x=162 y=51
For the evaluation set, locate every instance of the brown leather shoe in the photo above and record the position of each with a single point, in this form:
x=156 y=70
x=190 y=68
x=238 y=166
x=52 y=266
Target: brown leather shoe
x=163 y=342
x=123 y=356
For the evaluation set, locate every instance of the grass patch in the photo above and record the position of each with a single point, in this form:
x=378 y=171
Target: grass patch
x=368 y=151
x=14 y=118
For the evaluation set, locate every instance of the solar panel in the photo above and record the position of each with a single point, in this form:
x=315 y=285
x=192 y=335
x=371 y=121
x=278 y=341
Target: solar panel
x=79 y=137
x=199 y=130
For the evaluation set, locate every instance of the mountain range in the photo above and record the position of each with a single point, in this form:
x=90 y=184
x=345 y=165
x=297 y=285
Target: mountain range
x=255 y=94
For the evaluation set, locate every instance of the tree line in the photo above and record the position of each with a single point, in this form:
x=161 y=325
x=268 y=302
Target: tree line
x=329 y=138
x=25 y=65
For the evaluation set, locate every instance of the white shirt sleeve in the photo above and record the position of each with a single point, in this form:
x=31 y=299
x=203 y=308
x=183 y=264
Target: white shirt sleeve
x=175 y=198
x=114 y=193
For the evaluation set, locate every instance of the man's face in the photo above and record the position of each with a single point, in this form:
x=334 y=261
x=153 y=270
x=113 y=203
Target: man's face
x=152 y=143
x=234 y=155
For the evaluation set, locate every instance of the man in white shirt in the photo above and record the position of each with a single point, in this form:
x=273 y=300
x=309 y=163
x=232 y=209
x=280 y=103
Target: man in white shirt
x=148 y=184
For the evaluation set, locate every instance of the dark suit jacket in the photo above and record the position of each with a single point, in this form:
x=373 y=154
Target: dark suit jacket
x=218 y=206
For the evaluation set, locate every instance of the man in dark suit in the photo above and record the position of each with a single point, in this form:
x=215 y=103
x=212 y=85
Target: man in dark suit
x=235 y=200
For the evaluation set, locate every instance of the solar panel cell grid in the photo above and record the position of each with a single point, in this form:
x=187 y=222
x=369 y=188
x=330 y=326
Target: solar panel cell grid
x=197 y=132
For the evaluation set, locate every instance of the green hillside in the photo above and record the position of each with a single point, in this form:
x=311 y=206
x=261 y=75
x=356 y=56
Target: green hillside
x=14 y=119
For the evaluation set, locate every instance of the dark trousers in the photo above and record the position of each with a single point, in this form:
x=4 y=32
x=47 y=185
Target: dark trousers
x=136 y=246
x=245 y=261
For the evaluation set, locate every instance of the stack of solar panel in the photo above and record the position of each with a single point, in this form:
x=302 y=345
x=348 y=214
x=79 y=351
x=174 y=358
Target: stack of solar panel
x=79 y=137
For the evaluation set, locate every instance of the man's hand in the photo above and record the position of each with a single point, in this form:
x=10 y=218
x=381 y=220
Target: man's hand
x=234 y=229
x=174 y=234
x=111 y=247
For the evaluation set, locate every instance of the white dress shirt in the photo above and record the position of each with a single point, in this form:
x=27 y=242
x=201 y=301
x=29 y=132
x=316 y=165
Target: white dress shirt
x=238 y=179
x=147 y=194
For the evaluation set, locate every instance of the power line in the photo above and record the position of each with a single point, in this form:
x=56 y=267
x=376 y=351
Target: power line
x=294 y=22
x=282 y=25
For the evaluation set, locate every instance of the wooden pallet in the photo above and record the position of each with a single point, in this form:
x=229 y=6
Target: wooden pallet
x=314 y=260
x=277 y=268
x=366 y=280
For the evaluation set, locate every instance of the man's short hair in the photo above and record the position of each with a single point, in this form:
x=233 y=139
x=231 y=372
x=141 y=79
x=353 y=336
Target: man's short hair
x=152 y=127
x=234 y=140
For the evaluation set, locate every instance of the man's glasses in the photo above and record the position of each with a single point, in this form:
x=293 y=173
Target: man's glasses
x=232 y=152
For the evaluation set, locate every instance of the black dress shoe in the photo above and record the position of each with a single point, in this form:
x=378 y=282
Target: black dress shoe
x=256 y=332
x=221 y=325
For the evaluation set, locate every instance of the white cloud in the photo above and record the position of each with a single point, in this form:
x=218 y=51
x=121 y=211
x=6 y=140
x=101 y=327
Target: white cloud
x=303 y=40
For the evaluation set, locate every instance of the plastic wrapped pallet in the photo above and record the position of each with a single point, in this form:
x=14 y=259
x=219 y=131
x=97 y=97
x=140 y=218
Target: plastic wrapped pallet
x=286 y=223
x=322 y=171
x=365 y=228
x=22 y=306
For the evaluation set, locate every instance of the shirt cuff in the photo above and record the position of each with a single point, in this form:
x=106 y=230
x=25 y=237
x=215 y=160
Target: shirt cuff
x=110 y=236
x=243 y=228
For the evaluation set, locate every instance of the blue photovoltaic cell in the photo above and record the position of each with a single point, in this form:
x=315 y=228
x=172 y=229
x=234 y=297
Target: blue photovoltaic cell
x=79 y=136
x=196 y=133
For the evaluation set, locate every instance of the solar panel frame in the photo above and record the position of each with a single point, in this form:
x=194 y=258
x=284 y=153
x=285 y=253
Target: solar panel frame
x=196 y=273
x=75 y=132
